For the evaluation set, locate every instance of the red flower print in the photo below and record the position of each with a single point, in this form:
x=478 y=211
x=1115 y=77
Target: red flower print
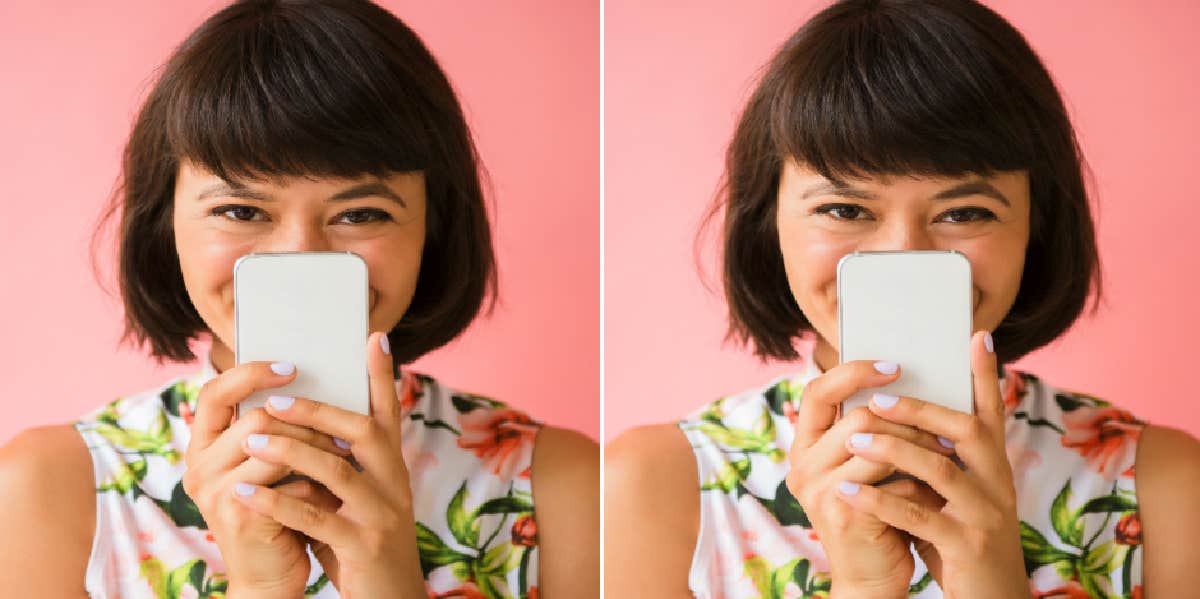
x=789 y=410
x=467 y=591
x=1129 y=529
x=1072 y=590
x=1137 y=592
x=533 y=593
x=185 y=411
x=496 y=436
x=1014 y=390
x=1099 y=434
x=524 y=531
x=410 y=390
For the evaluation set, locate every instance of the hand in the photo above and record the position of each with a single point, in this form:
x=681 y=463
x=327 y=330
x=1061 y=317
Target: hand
x=368 y=544
x=262 y=557
x=868 y=557
x=972 y=545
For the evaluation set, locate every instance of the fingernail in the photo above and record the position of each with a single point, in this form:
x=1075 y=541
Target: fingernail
x=987 y=342
x=884 y=400
x=947 y=443
x=256 y=441
x=886 y=367
x=281 y=402
x=243 y=489
x=847 y=487
x=383 y=343
x=860 y=439
x=341 y=443
x=283 y=368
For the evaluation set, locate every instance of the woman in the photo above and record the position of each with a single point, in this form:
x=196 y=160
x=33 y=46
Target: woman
x=888 y=125
x=301 y=126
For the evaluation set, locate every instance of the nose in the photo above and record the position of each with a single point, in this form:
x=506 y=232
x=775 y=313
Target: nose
x=901 y=234
x=298 y=237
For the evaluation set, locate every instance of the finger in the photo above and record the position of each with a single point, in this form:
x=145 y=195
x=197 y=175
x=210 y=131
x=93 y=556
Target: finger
x=336 y=473
x=226 y=452
x=916 y=491
x=938 y=471
x=823 y=395
x=385 y=406
x=830 y=450
x=315 y=522
x=310 y=492
x=369 y=442
x=218 y=399
x=965 y=432
x=989 y=401
x=912 y=517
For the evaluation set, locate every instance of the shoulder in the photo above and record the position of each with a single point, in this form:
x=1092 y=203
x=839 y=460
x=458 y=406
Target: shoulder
x=48 y=492
x=648 y=466
x=652 y=511
x=1167 y=475
x=566 y=490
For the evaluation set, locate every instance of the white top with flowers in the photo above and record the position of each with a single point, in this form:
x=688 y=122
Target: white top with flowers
x=1072 y=457
x=469 y=459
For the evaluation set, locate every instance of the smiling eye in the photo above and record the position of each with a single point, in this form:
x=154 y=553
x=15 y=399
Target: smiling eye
x=983 y=214
x=365 y=216
x=239 y=213
x=841 y=209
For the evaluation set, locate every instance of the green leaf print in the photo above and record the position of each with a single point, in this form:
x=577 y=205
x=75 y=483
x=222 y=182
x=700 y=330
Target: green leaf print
x=128 y=476
x=1038 y=551
x=154 y=441
x=1109 y=503
x=513 y=504
x=180 y=393
x=730 y=476
x=787 y=510
x=760 y=439
x=183 y=510
x=1065 y=521
x=772 y=583
x=434 y=552
x=464 y=527
x=785 y=392
x=169 y=585
x=491 y=570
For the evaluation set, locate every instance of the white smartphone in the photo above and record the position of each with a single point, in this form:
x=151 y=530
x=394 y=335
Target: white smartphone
x=310 y=309
x=913 y=308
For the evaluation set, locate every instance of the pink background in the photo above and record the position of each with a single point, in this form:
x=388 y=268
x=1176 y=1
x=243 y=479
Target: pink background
x=676 y=75
x=528 y=74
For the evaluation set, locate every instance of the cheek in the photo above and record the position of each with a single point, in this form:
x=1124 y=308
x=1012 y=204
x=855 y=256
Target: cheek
x=206 y=259
x=393 y=267
x=810 y=257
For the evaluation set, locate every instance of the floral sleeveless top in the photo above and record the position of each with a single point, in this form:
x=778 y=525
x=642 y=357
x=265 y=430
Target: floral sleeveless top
x=1072 y=457
x=469 y=458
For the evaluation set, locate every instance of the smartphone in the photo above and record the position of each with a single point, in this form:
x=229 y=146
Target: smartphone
x=310 y=309
x=912 y=307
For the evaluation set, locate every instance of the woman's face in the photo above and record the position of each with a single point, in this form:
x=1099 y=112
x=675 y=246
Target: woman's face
x=985 y=218
x=381 y=220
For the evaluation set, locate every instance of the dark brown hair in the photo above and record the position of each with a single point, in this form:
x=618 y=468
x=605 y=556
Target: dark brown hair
x=265 y=89
x=917 y=87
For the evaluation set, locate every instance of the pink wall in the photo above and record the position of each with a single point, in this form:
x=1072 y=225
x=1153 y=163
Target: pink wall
x=675 y=77
x=528 y=74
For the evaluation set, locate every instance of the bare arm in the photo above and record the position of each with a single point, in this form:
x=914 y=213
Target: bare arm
x=651 y=513
x=49 y=498
x=566 y=491
x=1168 y=488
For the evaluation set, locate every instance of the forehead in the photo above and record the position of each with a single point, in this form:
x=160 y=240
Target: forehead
x=803 y=179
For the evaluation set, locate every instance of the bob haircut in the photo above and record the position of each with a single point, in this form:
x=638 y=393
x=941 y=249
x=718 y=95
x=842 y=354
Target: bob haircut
x=909 y=87
x=265 y=89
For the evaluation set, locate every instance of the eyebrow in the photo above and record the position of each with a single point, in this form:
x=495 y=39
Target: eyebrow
x=362 y=190
x=969 y=188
